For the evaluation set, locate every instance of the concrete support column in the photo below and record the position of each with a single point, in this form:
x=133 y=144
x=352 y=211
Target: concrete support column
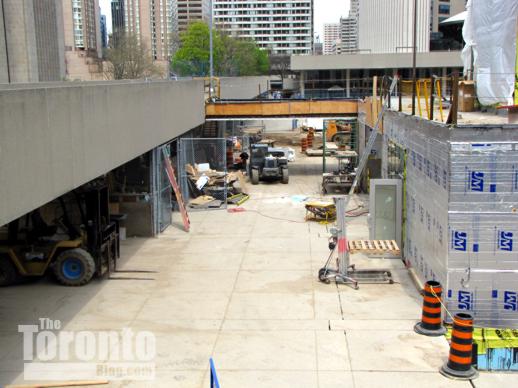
x=348 y=83
x=21 y=40
x=301 y=83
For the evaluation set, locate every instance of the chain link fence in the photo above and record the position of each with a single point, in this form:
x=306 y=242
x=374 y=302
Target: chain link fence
x=203 y=171
x=161 y=191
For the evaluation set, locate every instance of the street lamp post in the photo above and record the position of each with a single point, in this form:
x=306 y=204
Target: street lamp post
x=211 y=51
x=414 y=60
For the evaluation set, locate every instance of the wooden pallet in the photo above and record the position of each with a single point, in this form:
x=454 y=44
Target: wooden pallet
x=374 y=247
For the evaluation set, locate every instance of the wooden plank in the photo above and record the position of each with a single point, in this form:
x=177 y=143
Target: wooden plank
x=390 y=246
x=383 y=245
x=378 y=245
x=281 y=108
x=172 y=180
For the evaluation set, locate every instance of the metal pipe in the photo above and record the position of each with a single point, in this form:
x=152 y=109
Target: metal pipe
x=414 y=59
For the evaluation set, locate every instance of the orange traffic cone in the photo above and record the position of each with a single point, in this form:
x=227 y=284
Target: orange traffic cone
x=431 y=321
x=459 y=365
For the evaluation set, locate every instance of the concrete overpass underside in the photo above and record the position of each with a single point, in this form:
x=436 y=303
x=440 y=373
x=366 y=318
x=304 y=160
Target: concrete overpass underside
x=57 y=137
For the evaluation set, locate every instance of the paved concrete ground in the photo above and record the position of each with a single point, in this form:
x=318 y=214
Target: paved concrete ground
x=242 y=288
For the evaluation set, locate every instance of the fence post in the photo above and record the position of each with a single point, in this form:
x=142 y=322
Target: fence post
x=454 y=109
x=400 y=92
x=432 y=91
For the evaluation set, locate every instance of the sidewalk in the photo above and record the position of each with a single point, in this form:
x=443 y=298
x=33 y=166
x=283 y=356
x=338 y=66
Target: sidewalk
x=242 y=288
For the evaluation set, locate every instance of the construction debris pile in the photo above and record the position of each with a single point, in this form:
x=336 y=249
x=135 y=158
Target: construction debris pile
x=211 y=189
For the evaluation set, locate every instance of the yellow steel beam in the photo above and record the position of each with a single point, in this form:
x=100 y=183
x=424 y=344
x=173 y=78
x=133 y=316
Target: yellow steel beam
x=273 y=108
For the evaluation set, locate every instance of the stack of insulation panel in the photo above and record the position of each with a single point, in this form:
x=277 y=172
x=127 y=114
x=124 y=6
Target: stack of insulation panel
x=461 y=214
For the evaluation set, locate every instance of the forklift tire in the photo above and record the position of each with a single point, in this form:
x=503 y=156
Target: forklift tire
x=285 y=176
x=8 y=272
x=74 y=267
x=254 y=176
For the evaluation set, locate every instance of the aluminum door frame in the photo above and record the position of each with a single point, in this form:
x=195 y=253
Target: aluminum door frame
x=398 y=183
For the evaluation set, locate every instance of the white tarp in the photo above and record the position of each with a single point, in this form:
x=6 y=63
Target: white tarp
x=490 y=35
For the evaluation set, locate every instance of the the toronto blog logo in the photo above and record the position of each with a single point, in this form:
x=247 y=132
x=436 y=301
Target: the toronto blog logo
x=50 y=353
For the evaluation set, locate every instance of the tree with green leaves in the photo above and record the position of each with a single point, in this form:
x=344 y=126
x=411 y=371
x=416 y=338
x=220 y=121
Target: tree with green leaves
x=232 y=57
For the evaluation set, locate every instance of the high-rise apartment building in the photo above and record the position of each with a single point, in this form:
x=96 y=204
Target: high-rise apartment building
x=349 y=29
x=86 y=21
x=117 y=16
x=104 y=32
x=153 y=23
x=281 y=27
x=31 y=41
x=348 y=35
x=331 y=37
x=190 y=11
x=82 y=35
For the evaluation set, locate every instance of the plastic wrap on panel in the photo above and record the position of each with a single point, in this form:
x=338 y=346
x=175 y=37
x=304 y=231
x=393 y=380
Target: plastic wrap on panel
x=484 y=177
x=490 y=296
x=483 y=241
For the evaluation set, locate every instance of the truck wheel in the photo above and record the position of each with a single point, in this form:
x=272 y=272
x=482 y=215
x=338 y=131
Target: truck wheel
x=74 y=267
x=8 y=272
x=285 y=176
x=254 y=176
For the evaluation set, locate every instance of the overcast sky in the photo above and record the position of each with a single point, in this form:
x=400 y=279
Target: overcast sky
x=326 y=11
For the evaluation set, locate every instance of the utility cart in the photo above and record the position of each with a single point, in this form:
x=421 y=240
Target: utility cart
x=342 y=178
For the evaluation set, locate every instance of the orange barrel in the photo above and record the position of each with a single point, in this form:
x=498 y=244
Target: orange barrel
x=303 y=144
x=431 y=321
x=459 y=364
x=310 y=142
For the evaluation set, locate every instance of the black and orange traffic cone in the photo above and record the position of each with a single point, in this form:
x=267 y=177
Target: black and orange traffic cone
x=460 y=360
x=303 y=144
x=431 y=321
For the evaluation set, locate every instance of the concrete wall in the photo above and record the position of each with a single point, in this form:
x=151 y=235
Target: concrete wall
x=21 y=40
x=56 y=138
x=3 y=53
x=243 y=87
x=375 y=61
x=387 y=26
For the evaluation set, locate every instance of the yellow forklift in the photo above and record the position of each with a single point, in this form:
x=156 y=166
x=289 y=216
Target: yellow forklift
x=81 y=240
x=338 y=132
